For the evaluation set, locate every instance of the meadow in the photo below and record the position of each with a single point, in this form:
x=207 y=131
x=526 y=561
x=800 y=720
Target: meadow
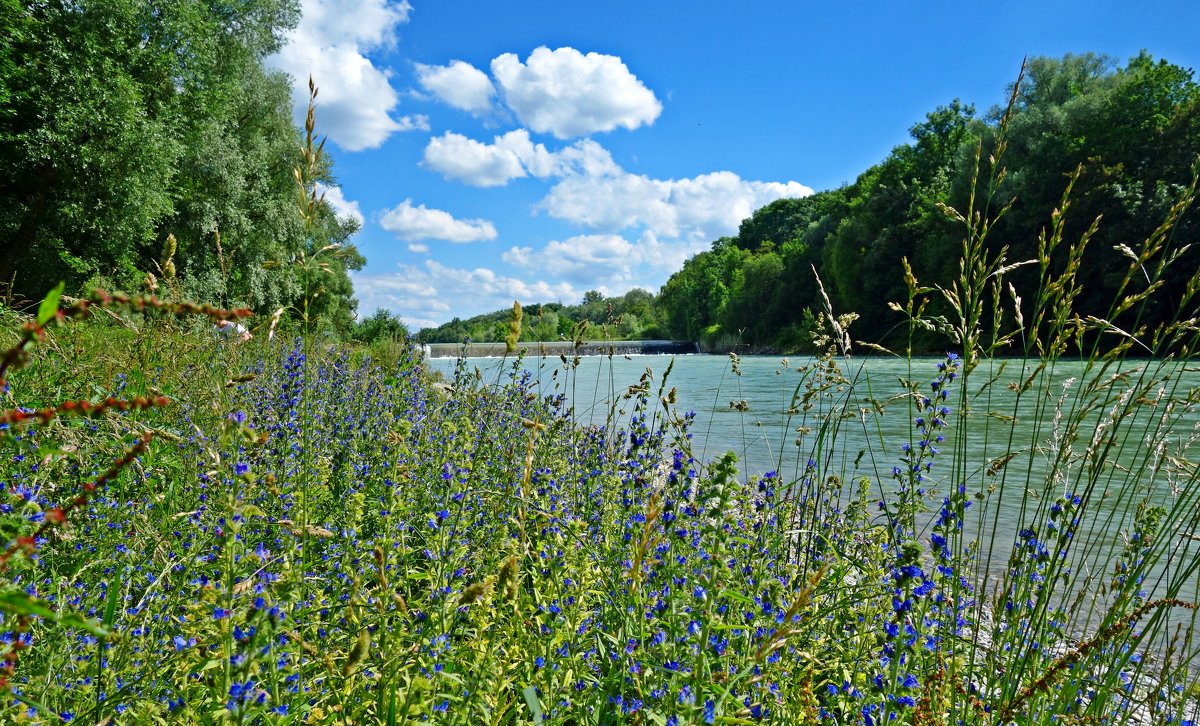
x=279 y=532
x=202 y=530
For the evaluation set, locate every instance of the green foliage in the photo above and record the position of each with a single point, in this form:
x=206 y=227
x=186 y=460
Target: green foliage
x=381 y=325
x=127 y=121
x=1132 y=134
x=780 y=221
x=1133 y=130
x=632 y=316
x=696 y=296
x=755 y=306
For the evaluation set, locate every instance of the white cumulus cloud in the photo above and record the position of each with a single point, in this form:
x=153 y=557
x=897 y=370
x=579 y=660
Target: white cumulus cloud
x=417 y=292
x=593 y=191
x=512 y=156
x=415 y=223
x=415 y=299
x=566 y=93
x=455 y=156
x=584 y=253
x=362 y=23
x=330 y=44
x=458 y=84
x=607 y=262
x=699 y=208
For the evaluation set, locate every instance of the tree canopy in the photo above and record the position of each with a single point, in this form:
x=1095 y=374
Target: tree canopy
x=1134 y=132
x=127 y=121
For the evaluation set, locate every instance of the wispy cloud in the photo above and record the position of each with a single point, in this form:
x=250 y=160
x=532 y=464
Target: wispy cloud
x=608 y=262
x=418 y=292
x=512 y=156
x=703 y=207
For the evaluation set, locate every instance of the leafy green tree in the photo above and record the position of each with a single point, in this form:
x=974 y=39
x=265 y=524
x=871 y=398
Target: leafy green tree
x=1051 y=82
x=381 y=325
x=127 y=121
x=756 y=310
x=86 y=141
x=542 y=325
x=892 y=213
x=1132 y=132
x=777 y=222
x=635 y=314
x=694 y=298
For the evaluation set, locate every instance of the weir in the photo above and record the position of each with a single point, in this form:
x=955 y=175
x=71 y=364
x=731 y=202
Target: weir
x=564 y=347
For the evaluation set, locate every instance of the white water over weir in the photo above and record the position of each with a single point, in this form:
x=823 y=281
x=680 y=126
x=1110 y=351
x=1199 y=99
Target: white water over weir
x=564 y=347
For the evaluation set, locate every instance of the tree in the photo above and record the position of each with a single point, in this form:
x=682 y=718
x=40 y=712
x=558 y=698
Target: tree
x=892 y=213
x=1132 y=132
x=777 y=222
x=86 y=142
x=129 y=120
x=1050 y=82
x=543 y=326
x=694 y=299
x=755 y=308
x=381 y=325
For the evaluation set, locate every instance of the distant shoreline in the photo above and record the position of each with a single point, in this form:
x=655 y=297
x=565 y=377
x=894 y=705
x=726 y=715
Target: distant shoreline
x=564 y=347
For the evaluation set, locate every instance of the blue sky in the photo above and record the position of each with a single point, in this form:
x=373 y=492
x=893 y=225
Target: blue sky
x=536 y=150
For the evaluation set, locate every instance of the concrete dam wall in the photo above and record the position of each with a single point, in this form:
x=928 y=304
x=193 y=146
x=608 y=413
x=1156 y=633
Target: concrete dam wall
x=564 y=347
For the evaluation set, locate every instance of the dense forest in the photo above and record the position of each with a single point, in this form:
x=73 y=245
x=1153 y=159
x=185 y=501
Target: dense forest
x=126 y=124
x=1132 y=133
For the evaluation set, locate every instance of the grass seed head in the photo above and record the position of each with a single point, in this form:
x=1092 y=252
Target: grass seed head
x=473 y=593
x=506 y=581
x=357 y=653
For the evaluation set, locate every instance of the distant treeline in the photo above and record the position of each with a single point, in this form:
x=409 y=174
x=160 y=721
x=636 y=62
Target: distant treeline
x=1134 y=132
x=636 y=315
